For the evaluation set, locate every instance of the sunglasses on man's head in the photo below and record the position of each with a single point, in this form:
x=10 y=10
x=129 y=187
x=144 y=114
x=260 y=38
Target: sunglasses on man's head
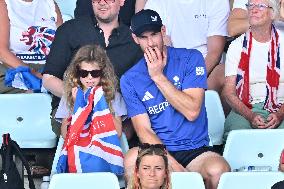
x=94 y=73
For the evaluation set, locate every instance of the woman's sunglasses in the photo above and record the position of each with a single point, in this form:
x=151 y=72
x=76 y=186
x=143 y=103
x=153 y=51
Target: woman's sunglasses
x=85 y=73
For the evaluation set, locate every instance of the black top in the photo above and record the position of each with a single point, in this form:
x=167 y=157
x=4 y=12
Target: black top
x=278 y=185
x=73 y=34
x=84 y=7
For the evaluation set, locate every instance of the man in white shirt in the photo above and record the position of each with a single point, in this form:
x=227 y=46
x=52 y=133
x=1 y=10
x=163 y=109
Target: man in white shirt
x=201 y=25
x=254 y=86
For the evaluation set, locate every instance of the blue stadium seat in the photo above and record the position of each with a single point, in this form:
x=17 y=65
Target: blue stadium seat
x=27 y=118
x=66 y=17
x=185 y=180
x=67 y=8
x=100 y=180
x=249 y=180
x=216 y=117
x=255 y=147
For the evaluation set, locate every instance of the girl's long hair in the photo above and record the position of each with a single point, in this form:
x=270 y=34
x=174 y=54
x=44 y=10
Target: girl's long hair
x=134 y=182
x=91 y=54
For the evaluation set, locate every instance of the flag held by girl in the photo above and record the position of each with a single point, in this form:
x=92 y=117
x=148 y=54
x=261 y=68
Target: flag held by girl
x=92 y=143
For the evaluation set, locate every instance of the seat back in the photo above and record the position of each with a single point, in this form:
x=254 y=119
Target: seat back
x=185 y=180
x=124 y=148
x=66 y=7
x=249 y=180
x=27 y=118
x=216 y=117
x=254 y=147
x=124 y=143
x=98 y=180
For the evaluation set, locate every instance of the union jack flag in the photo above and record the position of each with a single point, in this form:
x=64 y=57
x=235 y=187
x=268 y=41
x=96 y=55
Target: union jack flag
x=92 y=143
x=242 y=81
x=272 y=74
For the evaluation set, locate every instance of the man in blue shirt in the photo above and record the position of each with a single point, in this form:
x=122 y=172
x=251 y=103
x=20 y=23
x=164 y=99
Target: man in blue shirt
x=164 y=94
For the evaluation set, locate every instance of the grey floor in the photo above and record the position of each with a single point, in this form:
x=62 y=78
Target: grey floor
x=37 y=182
x=44 y=157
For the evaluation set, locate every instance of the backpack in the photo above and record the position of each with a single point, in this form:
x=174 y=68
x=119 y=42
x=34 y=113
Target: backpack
x=9 y=174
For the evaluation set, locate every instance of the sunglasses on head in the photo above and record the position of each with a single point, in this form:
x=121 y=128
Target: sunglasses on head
x=144 y=146
x=94 y=73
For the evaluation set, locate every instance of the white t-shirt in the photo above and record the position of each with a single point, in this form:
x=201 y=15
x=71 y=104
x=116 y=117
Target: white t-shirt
x=32 y=29
x=190 y=22
x=118 y=106
x=257 y=67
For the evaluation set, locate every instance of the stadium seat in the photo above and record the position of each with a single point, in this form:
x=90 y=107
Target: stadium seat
x=57 y=154
x=66 y=17
x=124 y=147
x=185 y=180
x=98 y=180
x=66 y=7
x=249 y=180
x=216 y=117
x=255 y=147
x=124 y=143
x=27 y=118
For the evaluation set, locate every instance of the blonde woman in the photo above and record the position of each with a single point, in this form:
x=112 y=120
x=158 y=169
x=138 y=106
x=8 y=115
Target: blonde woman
x=151 y=168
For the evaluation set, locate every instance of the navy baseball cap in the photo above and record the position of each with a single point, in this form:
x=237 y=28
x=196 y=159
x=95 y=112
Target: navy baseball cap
x=146 y=20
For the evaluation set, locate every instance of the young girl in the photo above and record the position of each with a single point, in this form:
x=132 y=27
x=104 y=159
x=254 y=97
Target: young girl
x=89 y=68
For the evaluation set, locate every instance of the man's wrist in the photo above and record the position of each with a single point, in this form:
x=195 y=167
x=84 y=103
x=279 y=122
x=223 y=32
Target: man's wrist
x=251 y=116
x=159 y=78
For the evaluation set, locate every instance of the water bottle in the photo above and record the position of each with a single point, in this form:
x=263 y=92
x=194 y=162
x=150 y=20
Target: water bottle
x=45 y=182
x=254 y=169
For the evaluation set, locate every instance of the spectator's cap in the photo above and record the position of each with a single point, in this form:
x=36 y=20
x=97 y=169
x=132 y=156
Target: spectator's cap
x=146 y=20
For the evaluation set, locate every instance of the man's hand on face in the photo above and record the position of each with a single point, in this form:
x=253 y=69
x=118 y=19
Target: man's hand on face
x=156 y=61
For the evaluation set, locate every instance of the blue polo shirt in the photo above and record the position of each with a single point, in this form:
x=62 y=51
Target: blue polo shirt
x=184 y=69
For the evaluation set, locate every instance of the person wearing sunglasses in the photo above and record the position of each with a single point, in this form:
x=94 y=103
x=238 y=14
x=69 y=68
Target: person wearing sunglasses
x=90 y=68
x=151 y=168
x=84 y=7
x=103 y=29
x=164 y=95
x=254 y=86
x=238 y=20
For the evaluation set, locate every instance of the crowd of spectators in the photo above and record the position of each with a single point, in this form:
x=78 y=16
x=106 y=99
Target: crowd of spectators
x=165 y=54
